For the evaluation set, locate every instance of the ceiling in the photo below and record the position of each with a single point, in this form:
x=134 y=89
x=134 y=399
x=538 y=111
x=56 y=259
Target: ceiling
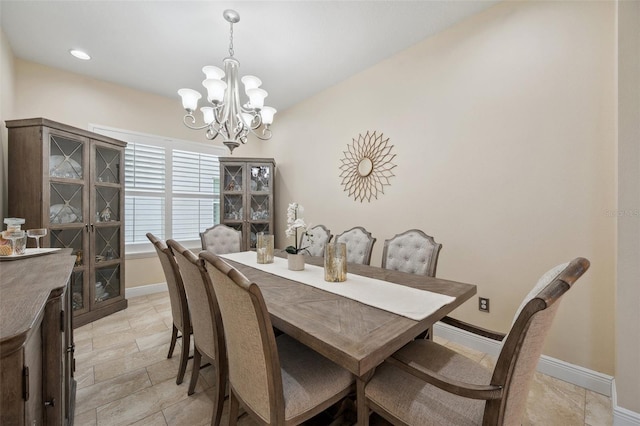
x=297 y=48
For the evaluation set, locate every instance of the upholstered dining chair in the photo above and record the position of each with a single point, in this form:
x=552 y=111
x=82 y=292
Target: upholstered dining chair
x=178 y=300
x=315 y=239
x=208 y=334
x=221 y=239
x=428 y=384
x=359 y=245
x=413 y=252
x=279 y=381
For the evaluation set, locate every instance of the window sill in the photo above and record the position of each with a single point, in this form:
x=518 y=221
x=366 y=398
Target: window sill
x=147 y=251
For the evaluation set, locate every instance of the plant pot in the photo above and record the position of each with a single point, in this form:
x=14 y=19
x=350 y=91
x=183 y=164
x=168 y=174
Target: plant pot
x=296 y=262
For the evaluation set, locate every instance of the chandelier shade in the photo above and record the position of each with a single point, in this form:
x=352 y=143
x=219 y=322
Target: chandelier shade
x=227 y=116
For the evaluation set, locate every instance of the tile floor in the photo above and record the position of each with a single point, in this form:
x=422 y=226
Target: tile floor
x=125 y=378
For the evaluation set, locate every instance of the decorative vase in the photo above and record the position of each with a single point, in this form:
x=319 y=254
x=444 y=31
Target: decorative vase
x=335 y=262
x=296 y=262
x=264 y=248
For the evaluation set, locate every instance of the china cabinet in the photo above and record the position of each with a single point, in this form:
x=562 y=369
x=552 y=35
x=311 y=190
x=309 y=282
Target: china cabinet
x=246 y=192
x=71 y=181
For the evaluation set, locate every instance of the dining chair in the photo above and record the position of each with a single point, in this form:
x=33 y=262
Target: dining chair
x=315 y=239
x=208 y=334
x=178 y=300
x=359 y=245
x=413 y=252
x=279 y=381
x=221 y=239
x=429 y=384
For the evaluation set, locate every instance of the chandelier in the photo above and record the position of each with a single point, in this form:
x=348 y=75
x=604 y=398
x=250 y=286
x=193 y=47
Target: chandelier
x=227 y=116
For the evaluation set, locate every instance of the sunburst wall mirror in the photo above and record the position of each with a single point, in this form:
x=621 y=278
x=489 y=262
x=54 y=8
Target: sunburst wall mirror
x=366 y=166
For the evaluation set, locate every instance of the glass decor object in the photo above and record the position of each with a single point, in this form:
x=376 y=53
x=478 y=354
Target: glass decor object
x=264 y=248
x=15 y=233
x=37 y=234
x=335 y=262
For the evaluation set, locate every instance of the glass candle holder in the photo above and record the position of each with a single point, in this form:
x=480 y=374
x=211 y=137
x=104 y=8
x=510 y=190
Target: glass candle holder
x=335 y=262
x=264 y=248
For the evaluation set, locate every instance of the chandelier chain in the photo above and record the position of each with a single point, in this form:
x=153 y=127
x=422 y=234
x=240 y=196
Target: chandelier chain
x=231 y=39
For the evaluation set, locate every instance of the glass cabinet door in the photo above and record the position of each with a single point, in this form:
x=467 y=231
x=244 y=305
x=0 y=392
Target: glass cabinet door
x=260 y=176
x=106 y=225
x=233 y=175
x=107 y=283
x=67 y=201
x=107 y=165
x=74 y=238
x=66 y=158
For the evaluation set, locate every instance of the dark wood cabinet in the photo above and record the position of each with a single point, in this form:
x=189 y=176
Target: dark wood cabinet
x=36 y=340
x=71 y=181
x=246 y=192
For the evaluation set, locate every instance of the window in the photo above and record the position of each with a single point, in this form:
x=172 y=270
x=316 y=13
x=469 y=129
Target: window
x=171 y=188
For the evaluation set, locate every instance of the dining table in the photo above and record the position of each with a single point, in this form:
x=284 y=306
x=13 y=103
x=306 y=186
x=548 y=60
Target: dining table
x=353 y=334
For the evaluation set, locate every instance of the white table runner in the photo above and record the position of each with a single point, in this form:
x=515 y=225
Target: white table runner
x=398 y=299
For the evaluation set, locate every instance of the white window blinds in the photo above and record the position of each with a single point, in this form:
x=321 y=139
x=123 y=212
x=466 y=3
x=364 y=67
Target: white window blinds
x=144 y=171
x=195 y=182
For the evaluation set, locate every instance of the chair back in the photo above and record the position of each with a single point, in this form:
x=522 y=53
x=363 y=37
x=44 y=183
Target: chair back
x=254 y=366
x=412 y=251
x=177 y=295
x=359 y=245
x=315 y=239
x=523 y=345
x=208 y=334
x=221 y=239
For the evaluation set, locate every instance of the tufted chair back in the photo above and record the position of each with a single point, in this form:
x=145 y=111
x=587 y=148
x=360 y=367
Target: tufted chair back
x=359 y=245
x=318 y=236
x=412 y=251
x=221 y=239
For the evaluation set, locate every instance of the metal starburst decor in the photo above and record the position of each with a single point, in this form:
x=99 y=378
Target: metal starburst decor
x=366 y=166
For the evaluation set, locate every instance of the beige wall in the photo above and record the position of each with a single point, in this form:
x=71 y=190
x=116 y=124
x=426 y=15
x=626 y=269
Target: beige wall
x=7 y=83
x=628 y=283
x=504 y=130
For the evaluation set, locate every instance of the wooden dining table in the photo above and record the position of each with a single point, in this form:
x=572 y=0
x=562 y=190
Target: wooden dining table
x=354 y=335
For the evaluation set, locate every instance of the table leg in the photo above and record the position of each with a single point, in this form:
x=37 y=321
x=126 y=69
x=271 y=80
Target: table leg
x=361 y=403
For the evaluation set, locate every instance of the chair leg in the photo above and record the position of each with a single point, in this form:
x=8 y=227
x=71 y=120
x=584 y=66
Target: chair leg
x=195 y=372
x=184 y=357
x=233 y=408
x=221 y=385
x=174 y=337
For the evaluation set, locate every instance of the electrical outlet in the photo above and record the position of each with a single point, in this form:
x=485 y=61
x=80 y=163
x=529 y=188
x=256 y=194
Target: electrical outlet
x=483 y=304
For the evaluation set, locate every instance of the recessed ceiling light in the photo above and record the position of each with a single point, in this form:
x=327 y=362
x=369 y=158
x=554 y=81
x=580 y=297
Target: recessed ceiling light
x=80 y=54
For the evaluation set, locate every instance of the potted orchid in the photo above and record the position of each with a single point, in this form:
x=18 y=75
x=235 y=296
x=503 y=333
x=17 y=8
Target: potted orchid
x=295 y=226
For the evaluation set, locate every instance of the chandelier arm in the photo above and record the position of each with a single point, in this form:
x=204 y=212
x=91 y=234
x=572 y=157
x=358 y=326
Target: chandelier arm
x=211 y=133
x=265 y=132
x=192 y=119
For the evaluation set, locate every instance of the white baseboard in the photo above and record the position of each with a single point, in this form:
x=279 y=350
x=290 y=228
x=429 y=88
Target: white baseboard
x=553 y=367
x=144 y=290
x=622 y=416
